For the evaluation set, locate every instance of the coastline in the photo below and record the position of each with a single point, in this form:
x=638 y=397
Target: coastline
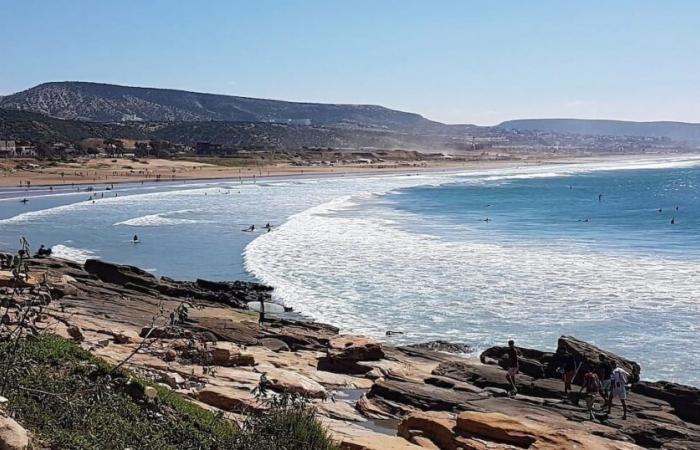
x=191 y=171
x=384 y=396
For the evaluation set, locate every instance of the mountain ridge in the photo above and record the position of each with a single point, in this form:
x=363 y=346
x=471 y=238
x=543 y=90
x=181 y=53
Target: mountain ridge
x=102 y=102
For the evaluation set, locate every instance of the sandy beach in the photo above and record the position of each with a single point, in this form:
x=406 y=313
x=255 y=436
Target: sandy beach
x=27 y=172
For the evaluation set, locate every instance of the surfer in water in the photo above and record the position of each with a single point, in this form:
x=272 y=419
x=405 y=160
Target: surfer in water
x=24 y=200
x=600 y=197
x=268 y=227
x=673 y=221
x=135 y=240
x=250 y=228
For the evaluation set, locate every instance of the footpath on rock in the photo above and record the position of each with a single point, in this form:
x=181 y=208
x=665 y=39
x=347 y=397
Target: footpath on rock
x=369 y=395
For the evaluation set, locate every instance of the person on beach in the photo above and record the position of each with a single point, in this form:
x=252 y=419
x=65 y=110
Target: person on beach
x=618 y=381
x=592 y=385
x=261 y=316
x=512 y=367
x=604 y=371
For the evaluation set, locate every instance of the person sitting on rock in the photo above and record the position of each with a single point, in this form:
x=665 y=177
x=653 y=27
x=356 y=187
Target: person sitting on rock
x=592 y=385
x=513 y=366
x=618 y=381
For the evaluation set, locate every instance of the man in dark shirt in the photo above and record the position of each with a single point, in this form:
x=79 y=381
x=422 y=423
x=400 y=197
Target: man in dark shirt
x=569 y=370
x=512 y=366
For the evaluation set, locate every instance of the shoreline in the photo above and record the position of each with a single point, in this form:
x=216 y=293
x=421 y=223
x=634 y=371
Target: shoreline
x=383 y=391
x=215 y=173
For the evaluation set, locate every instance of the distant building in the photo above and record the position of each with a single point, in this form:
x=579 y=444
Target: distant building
x=8 y=148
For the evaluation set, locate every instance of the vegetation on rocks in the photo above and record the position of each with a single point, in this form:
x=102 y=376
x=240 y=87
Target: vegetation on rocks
x=71 y=399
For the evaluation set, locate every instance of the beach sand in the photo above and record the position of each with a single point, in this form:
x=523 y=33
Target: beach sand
x=119 y=170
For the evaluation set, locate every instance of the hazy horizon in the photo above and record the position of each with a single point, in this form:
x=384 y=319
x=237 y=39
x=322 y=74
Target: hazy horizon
x=453 y=62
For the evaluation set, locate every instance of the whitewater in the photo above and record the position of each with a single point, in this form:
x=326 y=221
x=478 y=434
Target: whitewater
x=413 y=253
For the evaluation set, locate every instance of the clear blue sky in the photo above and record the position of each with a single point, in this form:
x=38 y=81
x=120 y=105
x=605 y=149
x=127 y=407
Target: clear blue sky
x=453 y=61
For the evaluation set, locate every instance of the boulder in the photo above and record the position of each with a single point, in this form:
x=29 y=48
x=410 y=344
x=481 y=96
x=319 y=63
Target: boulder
x=286 y=381
x=12 y=435
x=437 y=427
x=588 y=355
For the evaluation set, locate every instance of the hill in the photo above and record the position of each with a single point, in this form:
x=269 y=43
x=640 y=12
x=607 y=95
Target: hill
x=36 y=127
x=677 y=131
x=112 y=103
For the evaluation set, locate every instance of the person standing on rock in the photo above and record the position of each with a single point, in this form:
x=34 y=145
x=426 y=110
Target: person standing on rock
x=569 y=370
x=592 y=385
x=618 y=380
x=604 y=371
x=513 y=366
x=261 y=316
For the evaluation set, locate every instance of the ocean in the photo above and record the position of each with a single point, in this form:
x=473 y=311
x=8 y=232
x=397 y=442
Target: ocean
x=482 y=256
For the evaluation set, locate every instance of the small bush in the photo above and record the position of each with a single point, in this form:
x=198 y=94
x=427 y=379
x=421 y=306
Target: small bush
x=288 y=424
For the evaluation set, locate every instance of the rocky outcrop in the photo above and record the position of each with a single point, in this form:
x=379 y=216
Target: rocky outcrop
x=293 y=382
x=217 y=355
x=587 y=354
x=685 y=400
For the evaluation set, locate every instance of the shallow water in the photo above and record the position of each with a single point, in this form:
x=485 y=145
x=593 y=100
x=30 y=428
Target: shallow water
x=414 y=254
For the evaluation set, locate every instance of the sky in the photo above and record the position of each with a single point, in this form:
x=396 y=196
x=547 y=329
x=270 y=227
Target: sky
x=453 y=61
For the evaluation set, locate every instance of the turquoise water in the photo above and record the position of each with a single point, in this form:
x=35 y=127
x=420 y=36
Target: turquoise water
x=413 y=253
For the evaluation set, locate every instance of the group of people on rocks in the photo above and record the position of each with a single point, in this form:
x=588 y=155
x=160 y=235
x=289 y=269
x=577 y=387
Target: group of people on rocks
x=605 y=379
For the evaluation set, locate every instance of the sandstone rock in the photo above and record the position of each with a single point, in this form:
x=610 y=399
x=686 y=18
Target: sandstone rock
x=355 y=348
x=346 y=352
x=354 y=437
x=438 y=427
x=76 y=333
x=527 y=434
x=421 y=396
x=276 y=345
x=227 y=358
x=120 y=274
x=424 y=442
x=684 y=399
x=293 y=382
x=12 y=435
x=228 y=399
x=588 y=355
